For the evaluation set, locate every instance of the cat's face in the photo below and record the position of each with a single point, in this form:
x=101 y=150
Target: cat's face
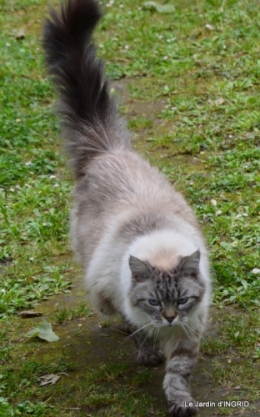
x=166 y=298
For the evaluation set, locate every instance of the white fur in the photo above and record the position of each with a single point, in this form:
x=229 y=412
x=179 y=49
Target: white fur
x=109 y=273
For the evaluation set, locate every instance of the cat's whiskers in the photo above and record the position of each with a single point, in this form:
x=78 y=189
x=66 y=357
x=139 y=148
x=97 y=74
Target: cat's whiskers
x=140 y=345
x=138 y=330
x=147 y=337
x=155 y=335
x=194 y=322
x=190 y=329
x=187 y=330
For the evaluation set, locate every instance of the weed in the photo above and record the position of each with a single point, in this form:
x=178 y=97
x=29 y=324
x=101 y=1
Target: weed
x=63 y=314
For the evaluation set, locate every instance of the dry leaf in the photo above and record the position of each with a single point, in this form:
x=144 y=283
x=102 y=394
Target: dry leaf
x=209 y=27
x=28 y=314
x=160 y=8
x=20 y=34
x=49 y=379
x=219 y=101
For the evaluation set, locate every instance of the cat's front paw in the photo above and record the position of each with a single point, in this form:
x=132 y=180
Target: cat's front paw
x=184 y=408
x=150 y=357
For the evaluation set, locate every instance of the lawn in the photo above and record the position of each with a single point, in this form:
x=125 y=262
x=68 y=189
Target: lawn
x=188 y=84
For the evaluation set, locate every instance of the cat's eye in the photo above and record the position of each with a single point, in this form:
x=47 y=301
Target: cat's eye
x=154 y=302
x=183 y=300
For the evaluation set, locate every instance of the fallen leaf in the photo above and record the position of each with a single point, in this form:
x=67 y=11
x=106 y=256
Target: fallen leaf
x=165 y=8
x=20 y=34
x=219 y=101
x=43 y=331
x=49 y=379
x=28 y=314
x=209 y=27
x=226 y=246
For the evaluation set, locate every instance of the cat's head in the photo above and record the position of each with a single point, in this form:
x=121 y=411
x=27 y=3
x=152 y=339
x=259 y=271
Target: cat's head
x=166 y=297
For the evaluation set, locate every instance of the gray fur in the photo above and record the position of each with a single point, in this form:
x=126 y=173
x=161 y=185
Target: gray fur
x=139 y=242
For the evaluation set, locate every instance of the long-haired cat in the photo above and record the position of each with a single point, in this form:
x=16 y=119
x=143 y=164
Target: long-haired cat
x=139 y=242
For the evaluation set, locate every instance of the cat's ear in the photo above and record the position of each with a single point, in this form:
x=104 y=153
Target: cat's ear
x=190 y=264
x=140 y=270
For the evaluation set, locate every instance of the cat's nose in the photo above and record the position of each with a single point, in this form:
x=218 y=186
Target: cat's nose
x=170 y=318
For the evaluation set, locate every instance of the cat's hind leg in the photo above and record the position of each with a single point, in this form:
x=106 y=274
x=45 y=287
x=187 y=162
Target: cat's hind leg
x=102 y=303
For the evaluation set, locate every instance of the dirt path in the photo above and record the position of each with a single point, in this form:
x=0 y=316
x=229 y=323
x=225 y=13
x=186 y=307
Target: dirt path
x=100 y=353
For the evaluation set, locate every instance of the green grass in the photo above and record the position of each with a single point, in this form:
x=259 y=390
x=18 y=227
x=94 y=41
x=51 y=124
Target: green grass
x=64 y=314
x=189 y=86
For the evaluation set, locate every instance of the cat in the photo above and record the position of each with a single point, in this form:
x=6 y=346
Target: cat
x=139 y=242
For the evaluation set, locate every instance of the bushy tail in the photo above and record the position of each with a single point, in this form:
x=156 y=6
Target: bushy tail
x=88 y=111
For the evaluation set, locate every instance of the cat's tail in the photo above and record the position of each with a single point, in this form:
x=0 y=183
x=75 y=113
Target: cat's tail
x=89 y=112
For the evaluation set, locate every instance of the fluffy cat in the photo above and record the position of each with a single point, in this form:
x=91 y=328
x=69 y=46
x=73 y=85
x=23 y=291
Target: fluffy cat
x=139 y=242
